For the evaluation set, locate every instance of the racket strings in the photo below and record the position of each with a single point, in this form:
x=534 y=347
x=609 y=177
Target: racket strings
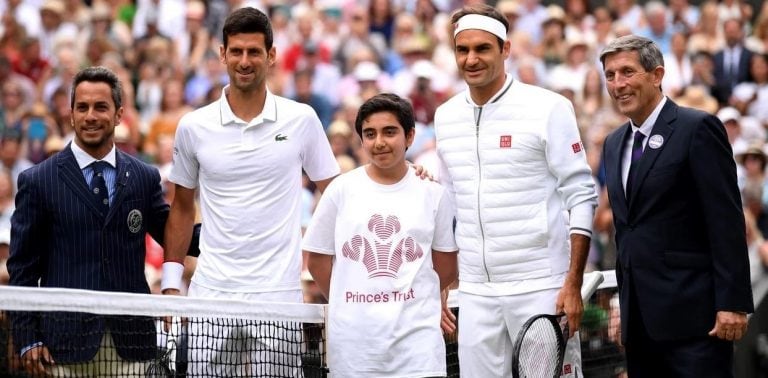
x=541 y=350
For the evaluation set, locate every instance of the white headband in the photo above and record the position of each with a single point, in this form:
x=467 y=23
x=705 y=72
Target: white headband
x=480 y=22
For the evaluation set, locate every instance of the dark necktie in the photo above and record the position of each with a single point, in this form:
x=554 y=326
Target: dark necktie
x=734 y=71
x=99 y=186
x=637 y=152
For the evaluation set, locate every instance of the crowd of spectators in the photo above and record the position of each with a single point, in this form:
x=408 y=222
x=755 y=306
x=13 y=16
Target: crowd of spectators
x=334 y=54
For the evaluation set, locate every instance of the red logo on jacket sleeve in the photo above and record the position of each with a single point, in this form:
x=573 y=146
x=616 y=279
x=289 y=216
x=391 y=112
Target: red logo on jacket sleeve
x=576 y=147
x=505 y=141
x=567 y=369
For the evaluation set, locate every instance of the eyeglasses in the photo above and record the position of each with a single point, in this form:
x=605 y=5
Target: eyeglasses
x=626 y=73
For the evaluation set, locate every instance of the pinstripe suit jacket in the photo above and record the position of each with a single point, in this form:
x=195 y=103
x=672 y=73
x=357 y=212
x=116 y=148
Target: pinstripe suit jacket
x=60 y=238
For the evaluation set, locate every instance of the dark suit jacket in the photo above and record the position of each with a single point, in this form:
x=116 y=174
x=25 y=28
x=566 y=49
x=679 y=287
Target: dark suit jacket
x=723 y=83
x=60 y=237
x=681 y=239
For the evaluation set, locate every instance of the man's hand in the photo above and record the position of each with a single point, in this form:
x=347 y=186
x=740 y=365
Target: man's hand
x=447 y=318
x=569 y=302
x=730 y=326
x=36 y=359
x=168 y=320
x=422 y=172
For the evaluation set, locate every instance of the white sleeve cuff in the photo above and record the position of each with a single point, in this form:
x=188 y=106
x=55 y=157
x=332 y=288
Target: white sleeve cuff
x=581 y=219
x=172 y=273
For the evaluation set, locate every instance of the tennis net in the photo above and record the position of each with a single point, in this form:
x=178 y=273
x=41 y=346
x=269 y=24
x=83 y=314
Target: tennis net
x=127 y=335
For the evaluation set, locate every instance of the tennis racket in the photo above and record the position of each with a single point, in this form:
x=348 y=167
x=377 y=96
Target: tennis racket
x=540 y=345
x=172 y=359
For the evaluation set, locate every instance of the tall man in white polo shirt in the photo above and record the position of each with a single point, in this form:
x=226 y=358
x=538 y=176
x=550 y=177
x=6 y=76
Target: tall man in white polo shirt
x=516 y=166
x=245 y=153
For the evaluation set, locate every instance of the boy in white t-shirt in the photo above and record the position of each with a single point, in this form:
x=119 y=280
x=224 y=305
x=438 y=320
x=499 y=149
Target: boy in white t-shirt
x=381 y=250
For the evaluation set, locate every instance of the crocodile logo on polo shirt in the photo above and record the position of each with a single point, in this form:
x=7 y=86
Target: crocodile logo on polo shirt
x=280 y=137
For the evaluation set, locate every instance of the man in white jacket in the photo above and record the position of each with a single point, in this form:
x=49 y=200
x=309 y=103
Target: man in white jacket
x=512 y=158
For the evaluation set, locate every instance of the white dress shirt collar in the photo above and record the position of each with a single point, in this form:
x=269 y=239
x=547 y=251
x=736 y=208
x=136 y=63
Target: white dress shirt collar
x=84 y=159
x=647 y=126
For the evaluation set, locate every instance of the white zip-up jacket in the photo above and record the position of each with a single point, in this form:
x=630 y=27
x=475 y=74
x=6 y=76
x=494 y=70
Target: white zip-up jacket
x=519 y=175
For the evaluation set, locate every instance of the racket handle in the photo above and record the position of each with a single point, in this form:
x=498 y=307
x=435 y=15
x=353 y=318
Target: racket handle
x=591 y=281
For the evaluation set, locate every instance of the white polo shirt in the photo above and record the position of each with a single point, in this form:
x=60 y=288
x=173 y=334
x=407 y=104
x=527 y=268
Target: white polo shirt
x=249 y=179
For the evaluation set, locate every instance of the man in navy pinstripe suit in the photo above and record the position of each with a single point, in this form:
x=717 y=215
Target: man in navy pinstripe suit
x=65 y=235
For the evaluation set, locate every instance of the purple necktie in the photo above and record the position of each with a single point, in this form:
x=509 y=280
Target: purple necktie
x=637 y=152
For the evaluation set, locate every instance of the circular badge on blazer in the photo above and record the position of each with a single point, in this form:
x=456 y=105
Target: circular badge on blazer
x=134 y=221
x=655 y=141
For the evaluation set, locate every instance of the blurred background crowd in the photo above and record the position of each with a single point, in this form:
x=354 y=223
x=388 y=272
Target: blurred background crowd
x=334 y=54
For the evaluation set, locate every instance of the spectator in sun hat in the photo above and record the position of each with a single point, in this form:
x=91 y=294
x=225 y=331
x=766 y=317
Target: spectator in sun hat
x=731 y=118
x=752 y=162
x=349 y=84
x=571 y=73
x=697 y=96
x=340 y=137
x=366 y=77
x=54 y=27
x=552 y=46
x=511 y=10
x=423 y=95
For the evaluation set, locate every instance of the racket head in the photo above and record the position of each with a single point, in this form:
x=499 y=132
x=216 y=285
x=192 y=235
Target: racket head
x=540 y=347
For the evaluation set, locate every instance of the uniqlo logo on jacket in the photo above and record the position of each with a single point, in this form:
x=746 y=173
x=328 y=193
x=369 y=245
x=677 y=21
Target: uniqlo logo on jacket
x=505 y=141
x=576 y=147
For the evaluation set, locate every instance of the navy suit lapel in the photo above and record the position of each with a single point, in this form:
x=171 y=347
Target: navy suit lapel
x=72 y=176
x=661 y=132
x=615 y=186
x=125 y=170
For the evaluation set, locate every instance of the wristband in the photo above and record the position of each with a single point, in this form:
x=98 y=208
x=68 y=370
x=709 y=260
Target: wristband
x=172 y=272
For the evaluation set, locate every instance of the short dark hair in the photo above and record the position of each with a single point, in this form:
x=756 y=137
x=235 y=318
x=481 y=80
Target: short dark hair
x=99 y=74
x=483 y=10
x=386 y=102
x=247 y=20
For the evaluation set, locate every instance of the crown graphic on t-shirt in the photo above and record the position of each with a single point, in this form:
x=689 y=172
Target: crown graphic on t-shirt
x=382 y=253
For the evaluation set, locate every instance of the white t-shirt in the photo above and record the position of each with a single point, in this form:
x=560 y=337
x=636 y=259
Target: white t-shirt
x=384 y=307
x=249 y=177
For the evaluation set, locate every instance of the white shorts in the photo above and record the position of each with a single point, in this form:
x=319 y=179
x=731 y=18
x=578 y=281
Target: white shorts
x=244 y=348
x=488 y=327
